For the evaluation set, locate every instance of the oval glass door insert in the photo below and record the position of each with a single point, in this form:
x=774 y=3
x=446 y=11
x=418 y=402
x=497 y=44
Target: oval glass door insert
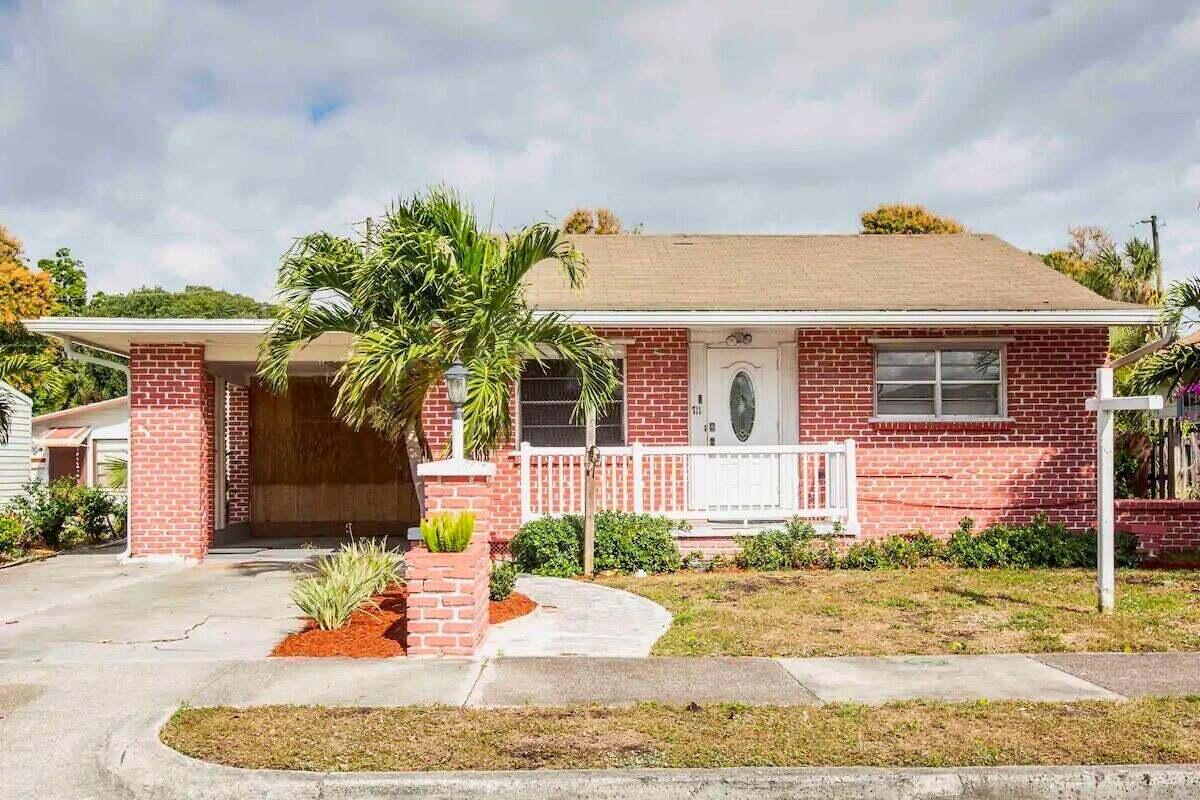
x=741 y=406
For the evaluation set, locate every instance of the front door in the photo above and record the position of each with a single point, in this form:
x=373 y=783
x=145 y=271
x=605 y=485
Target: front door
x=743 y=410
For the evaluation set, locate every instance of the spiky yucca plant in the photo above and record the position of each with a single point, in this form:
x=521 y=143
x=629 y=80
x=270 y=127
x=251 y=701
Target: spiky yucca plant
x=448 y=533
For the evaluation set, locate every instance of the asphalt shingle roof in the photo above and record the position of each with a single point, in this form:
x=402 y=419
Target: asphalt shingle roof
x=959 y=272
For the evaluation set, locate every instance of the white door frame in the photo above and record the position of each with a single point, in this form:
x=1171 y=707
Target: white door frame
x=699 y=342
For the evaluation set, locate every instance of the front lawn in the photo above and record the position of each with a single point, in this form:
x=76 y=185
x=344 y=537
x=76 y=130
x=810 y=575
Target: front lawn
x=1147 y=731
x=919 y=611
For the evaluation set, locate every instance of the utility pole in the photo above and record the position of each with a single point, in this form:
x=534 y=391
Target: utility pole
x=1153 y=223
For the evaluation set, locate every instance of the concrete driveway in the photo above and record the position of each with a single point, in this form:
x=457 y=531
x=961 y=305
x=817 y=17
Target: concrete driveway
x=88 y=607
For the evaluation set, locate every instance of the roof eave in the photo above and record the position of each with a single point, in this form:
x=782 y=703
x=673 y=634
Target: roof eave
x=82 y=329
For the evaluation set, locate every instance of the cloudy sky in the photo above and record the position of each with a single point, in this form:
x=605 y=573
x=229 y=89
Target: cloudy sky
x=173 y=143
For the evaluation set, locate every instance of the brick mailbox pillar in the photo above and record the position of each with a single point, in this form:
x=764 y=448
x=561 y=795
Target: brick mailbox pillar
x=448 y=592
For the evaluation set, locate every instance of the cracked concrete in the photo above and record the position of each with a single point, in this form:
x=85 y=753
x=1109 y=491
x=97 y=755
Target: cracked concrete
x=88 y=607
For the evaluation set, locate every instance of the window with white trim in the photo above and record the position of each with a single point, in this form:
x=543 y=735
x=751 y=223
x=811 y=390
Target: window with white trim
x=937 y=381
x=548 y=394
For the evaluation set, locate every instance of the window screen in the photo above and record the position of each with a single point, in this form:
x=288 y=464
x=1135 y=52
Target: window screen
x=549 y=392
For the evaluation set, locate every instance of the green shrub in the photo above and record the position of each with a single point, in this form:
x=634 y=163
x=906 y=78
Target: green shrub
x=626 y=542
x=1041 y=543
x=13 y=539
x=548 y=546
x=792 y=547
x=632 y=542
x=448 y=533
x=63 y=513
x=502 y=580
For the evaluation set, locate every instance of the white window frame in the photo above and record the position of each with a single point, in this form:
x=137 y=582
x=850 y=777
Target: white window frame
x=617 y=353
x=938 y=346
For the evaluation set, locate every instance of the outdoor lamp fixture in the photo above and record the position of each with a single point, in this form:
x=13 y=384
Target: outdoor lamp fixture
x=456 y=390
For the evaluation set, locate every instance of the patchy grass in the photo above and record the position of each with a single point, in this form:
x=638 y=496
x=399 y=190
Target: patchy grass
x=1147 y=731
x=919 y=611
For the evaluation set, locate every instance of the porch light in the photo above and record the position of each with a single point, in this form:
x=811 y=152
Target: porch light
x=456 y=390
x=456 y=384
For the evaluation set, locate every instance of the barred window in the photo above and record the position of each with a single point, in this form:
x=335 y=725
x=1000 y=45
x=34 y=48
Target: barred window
x=548 y=394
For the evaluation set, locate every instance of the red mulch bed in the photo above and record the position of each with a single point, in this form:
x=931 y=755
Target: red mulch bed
x=370 y=633
x=516 y=605
x=379 y=633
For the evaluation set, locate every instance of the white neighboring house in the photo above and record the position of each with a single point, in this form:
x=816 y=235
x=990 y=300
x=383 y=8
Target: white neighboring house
x=82 y=442
x=14 y=455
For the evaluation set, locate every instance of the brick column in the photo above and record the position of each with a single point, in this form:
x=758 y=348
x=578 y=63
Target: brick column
x=237 y=454
x=448 y=592
x=171 y=451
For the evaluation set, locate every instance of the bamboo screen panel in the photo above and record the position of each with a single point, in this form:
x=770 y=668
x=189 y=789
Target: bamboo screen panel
x=307 y=466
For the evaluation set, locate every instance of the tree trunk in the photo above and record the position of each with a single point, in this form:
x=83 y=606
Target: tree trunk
x=416 y=456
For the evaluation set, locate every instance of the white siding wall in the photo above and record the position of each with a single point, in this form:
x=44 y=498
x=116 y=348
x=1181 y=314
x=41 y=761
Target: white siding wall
x=14 y=456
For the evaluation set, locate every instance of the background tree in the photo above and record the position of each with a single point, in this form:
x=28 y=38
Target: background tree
x=1092 y=258
x=198 y=302
x=607 y=223
x=904 y=218
x=421 y=289
x=1176 y=366
x=69 y=279
x=581 y=220
x=26 y=361
x=604 y=222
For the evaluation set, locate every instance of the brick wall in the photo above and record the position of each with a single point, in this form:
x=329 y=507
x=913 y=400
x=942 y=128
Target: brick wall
x=931 y=474
x=656 y=408
x=1161 y=526
x=237 y=454
x=171 y=444
x=911 y=474
x=447 y=601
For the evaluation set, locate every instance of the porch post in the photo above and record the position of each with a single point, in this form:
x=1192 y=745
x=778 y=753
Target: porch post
x=851 y=483
x=526 y=489
x=636 y=455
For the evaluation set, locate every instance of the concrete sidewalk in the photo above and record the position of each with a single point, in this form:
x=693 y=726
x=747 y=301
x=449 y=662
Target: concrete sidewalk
x=502 y=682
x=55 y=717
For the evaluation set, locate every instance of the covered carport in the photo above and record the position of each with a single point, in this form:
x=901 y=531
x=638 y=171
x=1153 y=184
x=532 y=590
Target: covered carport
x=216 y=458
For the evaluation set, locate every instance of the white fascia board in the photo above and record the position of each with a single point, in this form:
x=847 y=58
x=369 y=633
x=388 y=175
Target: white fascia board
x=817 y=319
x=70 y=326
x=178 y=329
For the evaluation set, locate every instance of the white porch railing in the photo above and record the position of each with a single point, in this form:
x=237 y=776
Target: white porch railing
x=715 y=483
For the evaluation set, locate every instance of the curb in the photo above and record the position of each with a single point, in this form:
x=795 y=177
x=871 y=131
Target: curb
x=136 y=763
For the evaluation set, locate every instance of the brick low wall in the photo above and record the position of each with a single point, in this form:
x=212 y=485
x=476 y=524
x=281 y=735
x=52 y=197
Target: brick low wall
x=447 y=600
x=1161 y=526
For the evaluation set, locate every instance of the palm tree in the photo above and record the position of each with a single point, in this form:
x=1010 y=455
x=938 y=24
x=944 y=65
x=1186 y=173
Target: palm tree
x=418 y=291
x=1179 y=364
x=6 y=415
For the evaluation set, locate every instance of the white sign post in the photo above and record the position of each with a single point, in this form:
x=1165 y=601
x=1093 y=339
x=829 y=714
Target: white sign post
x=1104 y=404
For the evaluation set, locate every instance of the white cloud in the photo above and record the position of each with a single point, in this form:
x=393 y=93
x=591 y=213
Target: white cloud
x=175 y=142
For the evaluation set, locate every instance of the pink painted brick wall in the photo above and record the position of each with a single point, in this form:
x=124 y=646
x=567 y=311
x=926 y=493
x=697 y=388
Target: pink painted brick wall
x=447 y=603
x=1161 y=526
x=237 y=454
x=932 y=474
x=171 y=444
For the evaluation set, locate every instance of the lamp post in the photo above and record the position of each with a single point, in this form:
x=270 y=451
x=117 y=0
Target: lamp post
x=456 y=390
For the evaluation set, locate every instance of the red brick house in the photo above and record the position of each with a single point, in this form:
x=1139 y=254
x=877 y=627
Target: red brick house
x=878 y=383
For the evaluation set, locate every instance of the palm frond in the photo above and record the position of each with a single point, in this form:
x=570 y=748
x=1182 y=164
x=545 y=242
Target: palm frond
x=6 y=416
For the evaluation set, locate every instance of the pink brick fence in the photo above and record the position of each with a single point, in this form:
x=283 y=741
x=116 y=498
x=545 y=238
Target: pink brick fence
x=1161 y=526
